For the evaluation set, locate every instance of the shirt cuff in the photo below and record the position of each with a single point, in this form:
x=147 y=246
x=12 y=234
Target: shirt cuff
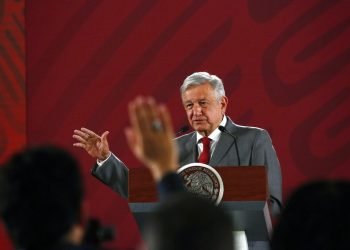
x=100 y=163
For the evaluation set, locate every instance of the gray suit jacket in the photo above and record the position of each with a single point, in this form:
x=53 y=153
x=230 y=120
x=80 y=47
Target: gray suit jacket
x=254 y=148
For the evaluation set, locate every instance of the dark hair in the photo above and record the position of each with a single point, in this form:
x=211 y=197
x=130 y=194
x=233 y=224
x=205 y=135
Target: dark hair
x=188 y=222
x=41 y=197
x=316 y=216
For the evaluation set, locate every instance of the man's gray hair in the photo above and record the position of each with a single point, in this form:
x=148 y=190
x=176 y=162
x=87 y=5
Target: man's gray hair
x=199 y=78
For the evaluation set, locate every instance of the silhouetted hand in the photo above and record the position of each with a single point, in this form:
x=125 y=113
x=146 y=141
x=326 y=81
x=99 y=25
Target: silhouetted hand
x=150 y=136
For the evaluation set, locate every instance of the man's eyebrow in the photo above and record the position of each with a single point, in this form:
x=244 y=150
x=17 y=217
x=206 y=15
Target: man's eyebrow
x=199 y=100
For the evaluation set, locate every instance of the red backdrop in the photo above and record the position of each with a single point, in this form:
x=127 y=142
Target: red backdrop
x=12 y=85
x=285 y=65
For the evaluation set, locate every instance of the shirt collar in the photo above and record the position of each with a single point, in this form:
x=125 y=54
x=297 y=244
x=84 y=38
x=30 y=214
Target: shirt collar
x=215 y=135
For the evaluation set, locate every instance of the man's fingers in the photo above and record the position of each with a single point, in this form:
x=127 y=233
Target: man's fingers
x=104 y=136
x=80 y=133
x=84 y=135
x=130 y=138
x=142 y=113
x=79 y=138
x=133 y=117
x=89 y=132
x=79 y=145
x=151 y=113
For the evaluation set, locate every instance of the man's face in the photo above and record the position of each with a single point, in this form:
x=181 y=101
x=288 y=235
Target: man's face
x=204 y=111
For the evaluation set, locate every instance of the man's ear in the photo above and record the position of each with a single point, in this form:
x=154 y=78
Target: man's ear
x=224 y=103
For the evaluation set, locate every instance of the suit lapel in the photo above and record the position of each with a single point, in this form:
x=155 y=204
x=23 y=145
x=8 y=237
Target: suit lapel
x=224 y=144
x=189 y=151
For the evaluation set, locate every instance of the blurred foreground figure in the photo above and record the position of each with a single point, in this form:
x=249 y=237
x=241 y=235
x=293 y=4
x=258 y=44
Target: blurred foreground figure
x=41 y=200
x=185 y=222
x=316 y=216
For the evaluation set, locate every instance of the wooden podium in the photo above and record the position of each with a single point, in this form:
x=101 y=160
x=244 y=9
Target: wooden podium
x=245 y=198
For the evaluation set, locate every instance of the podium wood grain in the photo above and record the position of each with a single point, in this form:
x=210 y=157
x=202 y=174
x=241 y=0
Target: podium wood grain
x=245 y=183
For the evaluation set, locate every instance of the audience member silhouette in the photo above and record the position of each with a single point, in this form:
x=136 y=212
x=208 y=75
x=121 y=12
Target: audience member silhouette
x=316 y=216
x=187 y=222
x=41 y=197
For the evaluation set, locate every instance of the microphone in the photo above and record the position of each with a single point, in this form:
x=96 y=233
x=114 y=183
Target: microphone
x=183 y=129
x=224 y=130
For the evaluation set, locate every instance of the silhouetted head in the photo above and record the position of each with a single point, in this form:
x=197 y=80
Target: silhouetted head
x=316 y=216
x=187 y=222
x=41 y=196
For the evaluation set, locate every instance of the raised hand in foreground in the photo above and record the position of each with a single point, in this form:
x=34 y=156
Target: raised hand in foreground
x=150 y=136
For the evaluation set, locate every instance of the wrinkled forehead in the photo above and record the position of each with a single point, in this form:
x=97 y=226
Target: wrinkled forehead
x=198 y=92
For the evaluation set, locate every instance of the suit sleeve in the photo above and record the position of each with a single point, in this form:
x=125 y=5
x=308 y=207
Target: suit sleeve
x=264 y=152
x=114 y=174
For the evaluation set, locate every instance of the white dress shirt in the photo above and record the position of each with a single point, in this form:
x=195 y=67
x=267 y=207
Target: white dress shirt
x=214 y=136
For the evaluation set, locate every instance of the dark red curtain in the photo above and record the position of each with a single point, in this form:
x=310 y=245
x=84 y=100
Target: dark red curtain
x=285 y=66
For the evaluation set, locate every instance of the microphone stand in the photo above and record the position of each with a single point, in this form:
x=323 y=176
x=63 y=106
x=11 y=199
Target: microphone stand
x=224 y=130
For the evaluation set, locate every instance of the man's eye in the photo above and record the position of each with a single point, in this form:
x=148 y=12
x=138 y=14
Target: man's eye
x=203 y=103
x=189 y=106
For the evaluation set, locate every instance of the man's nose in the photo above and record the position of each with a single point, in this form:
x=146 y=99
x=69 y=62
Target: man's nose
x=197 y=109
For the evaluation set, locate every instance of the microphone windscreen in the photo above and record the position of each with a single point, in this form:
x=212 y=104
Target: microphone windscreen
x=222 y=128
x=183 y=129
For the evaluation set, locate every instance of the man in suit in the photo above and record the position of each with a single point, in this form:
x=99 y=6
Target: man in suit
x=180 y=221
x=205 y=103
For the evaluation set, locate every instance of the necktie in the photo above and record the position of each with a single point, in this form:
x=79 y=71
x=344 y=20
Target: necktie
x=205 y=155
